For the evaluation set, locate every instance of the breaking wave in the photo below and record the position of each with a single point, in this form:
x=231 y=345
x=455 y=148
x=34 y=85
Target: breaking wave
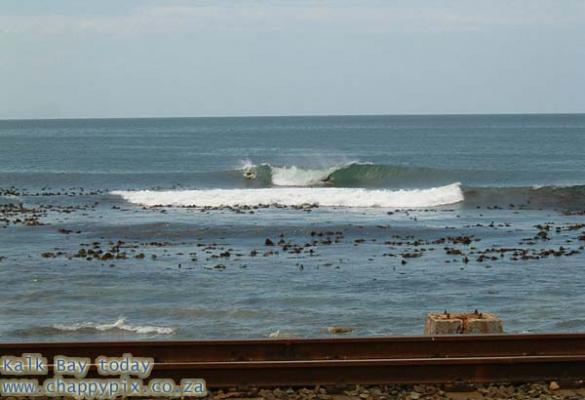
x=119 y=325
x=358 y=184
x=353 y=174
x=298 y=196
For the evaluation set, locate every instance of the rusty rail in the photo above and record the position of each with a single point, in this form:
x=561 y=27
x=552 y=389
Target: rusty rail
x=376 y=360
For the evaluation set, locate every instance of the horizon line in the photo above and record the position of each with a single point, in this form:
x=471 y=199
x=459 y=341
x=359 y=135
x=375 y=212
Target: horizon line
x=295 y=116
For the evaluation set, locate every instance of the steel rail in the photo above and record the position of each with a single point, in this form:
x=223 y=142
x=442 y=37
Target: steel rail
x=372 y=360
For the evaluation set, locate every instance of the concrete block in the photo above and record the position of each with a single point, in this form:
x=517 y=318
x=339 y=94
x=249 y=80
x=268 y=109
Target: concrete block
x=463 y=323
x=483 y=324
x=443 y=324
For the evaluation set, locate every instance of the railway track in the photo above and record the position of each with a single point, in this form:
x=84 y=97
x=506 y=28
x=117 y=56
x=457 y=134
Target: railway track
x=377 y=360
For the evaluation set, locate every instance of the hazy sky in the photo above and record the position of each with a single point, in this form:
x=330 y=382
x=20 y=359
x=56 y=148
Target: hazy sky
x=119 y=58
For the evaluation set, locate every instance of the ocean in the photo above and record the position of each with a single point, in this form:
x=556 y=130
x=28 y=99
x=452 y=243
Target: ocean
x=194 y=228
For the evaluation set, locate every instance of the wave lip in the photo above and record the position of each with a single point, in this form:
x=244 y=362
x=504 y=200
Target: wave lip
x=119 y=325
x=298 y=196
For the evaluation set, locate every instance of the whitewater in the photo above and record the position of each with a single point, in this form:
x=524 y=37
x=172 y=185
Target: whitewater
x=297 y=196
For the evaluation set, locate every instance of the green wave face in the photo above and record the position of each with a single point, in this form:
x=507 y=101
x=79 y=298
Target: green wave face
x=347 y=175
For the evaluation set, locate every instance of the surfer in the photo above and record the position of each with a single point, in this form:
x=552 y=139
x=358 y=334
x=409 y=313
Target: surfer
x=250 y=173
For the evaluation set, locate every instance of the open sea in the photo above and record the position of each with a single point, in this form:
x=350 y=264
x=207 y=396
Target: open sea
x=193 y=228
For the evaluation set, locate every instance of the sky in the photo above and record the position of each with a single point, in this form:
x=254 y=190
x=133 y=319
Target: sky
x=167 y=58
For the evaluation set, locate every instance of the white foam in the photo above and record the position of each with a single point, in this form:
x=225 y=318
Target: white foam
x=324 y=197
x=120 y=324
x=295 y=176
